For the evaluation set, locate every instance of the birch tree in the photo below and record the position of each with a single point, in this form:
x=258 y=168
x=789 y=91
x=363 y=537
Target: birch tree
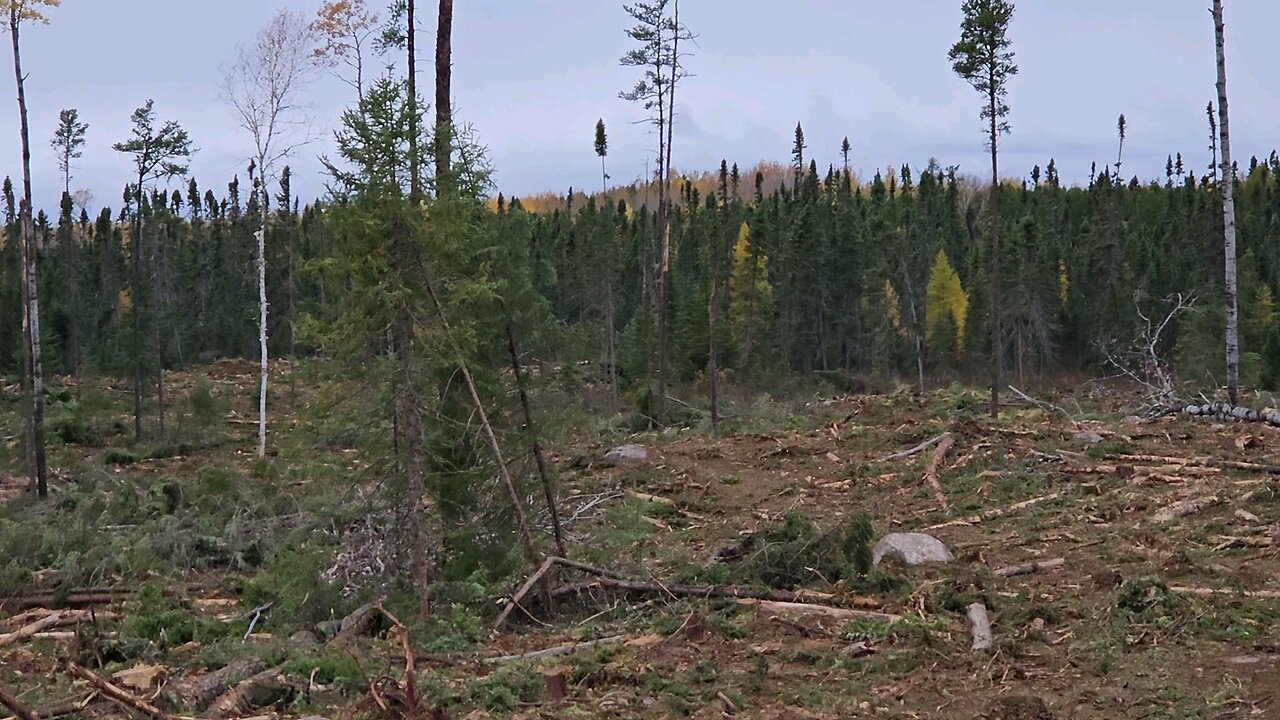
x=264 y=86
x=21 y=11
x=343 y=29
x=1228 y=211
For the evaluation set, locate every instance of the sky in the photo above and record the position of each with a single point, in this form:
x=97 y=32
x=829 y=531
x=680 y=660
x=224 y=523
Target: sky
x=533 y=76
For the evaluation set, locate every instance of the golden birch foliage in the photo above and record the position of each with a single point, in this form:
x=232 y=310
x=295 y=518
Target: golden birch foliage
x=945 y=301
x=1064 y=283
x=28 y=10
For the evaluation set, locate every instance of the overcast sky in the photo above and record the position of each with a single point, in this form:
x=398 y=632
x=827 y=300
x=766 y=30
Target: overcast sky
x=534 y=75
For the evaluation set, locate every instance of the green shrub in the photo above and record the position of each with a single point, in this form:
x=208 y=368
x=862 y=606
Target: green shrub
x=120 y=456
x=504 y=690
x=64 y=421
x=341 y=671
x=206 y=408
x=1270 y=376
x=794 y=553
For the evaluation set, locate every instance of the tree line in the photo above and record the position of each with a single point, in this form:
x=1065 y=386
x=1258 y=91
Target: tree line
x=424 y=289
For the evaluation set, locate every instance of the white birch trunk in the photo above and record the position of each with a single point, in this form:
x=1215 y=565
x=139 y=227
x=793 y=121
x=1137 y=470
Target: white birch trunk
x=1228 y=214
x=262 y=332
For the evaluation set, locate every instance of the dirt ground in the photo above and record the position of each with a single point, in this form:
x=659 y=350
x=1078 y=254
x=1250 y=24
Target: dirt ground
x=1132 y=615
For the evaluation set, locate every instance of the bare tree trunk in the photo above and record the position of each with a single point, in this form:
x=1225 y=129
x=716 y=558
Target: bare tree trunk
x=409 y=426
x=444 y=79
x=997 y=331
x=713 y=367
x=548 y=489
x=37 y=471
x=610 y=322
x=1228 y=213
x=135 y=296
x=262 y=330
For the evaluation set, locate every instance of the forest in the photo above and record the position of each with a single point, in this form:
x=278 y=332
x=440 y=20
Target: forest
x=777 y=441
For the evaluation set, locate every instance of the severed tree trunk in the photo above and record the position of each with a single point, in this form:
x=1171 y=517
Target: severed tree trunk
x=1229 y=214
x=713 y=367
x=31 y=355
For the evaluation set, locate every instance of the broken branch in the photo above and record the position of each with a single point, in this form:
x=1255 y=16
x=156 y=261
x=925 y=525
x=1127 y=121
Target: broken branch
x=931 y=471
x=1030 y=568
x=118 y=696
x=915 y=450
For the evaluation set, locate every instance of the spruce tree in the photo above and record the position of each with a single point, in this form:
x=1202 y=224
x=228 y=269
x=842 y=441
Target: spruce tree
x=983 y=57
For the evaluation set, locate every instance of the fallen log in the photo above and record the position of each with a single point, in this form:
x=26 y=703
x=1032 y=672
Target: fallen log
x=998 y=512
x=1030 y=568
x=1227 y=411
x=1228 y=592
x=28 y=631
x=915 y=450
x=980 y=627
x=557 y=651
x=730 y=592
x=197 y=693
x=16 y=707
x=795 y=609
x=931 y=470
x=117 y=695
x=265 y=688
x=1186 y=507
x=1175 y=462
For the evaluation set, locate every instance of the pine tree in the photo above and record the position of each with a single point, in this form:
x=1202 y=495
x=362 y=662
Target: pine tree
x=157 y=153
x=602 y=151
x=984 y=59
x=68 y=142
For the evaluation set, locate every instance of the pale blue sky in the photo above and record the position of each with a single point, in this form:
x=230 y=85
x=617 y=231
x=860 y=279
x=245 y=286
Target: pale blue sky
x=534 y=75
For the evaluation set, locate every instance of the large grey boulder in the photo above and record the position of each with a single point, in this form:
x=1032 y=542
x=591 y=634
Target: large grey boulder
x=626 y=455
x=911 y=548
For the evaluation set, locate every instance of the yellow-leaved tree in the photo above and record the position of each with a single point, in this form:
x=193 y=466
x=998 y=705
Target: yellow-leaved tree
x=750 y=294
x=946 y=309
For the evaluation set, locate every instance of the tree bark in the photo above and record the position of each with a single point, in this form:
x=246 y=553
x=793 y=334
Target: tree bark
x=262 y=326
x=36 y=467
x=135 y=297
x=444 y=78
x=411 y=440
x=1228 y=213
x=997 y=331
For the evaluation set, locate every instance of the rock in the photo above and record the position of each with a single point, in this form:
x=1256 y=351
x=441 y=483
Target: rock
x=912 y=549
x=626 y=455
x=1132 y=420
x=1089 y=437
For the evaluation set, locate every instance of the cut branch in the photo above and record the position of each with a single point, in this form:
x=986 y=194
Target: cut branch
x=931 y=471
x=915 y=450
x=117 y=695
x=1031 y=568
